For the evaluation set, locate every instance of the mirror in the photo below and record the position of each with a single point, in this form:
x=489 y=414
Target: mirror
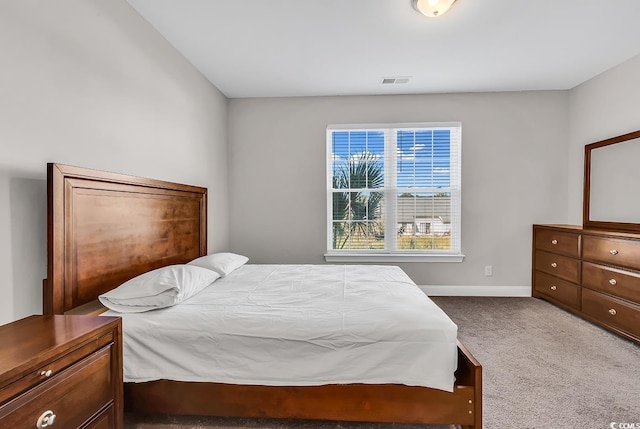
x=611 y=180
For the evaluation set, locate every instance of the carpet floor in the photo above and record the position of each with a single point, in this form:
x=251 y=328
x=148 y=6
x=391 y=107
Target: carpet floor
x=546 y=368
x=543 y=368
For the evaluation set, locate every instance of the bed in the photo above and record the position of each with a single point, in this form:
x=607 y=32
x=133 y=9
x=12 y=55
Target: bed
x=106 y=228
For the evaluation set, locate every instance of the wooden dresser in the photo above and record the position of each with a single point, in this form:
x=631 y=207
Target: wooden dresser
x=592 y=273
x=61 y=372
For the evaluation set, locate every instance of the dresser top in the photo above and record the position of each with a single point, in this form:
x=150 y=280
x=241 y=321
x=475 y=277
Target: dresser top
x=601 y=232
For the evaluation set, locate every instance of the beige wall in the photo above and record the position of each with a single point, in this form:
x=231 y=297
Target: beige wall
x=90 y=83
x=514 y=174
x=605 y=106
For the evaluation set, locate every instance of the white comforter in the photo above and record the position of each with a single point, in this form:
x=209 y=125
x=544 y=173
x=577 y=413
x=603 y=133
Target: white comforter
x=297 y=325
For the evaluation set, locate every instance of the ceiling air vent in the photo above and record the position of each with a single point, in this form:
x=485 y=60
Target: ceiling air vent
x=395 y=80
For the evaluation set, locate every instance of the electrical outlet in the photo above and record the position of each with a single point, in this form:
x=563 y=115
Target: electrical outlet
x=488 y=270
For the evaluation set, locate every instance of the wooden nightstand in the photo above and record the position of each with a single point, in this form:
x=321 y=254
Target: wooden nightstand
x=61 y=372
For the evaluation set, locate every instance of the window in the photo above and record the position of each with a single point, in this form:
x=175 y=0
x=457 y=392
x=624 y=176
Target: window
x=393 y=192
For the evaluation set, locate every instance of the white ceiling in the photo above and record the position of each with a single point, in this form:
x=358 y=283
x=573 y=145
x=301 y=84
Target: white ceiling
x=276 y=48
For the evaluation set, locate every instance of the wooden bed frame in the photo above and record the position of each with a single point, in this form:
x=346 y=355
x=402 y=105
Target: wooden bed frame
x=105 y=228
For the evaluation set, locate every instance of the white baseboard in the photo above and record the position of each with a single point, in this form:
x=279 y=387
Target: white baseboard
x=503 y=291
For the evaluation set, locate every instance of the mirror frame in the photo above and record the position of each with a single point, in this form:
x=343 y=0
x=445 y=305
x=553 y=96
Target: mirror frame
x=586 y=200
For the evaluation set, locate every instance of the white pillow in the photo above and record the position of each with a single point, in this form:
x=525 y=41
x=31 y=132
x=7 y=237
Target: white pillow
x=224 y=263
x=159 y=288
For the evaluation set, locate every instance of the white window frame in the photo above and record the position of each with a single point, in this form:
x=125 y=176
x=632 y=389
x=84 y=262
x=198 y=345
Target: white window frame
x=431 y=255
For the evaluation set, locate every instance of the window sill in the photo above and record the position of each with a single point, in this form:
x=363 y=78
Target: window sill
x=392 y=257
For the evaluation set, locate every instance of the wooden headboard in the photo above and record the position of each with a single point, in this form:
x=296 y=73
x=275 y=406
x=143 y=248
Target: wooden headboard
x=105 y=228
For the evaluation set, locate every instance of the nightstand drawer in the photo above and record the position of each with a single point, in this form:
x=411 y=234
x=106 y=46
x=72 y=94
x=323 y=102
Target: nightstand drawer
x=74 y=395
x=557 y=265
x=105 y=420
x=49 y=370
x=553 y=241
x=558 y=289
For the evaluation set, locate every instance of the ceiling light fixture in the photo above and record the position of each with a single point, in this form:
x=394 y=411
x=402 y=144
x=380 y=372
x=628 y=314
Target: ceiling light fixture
x=432 y=8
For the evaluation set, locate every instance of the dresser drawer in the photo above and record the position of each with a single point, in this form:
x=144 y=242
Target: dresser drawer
x=612 y=311
x=557 y=265
x=558 y=289
x=553 y=241
x=74 y=395
x=624 y=284
x=625 y=253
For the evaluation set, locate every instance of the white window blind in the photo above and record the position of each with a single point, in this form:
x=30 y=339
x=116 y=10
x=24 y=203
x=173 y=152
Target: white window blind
x=393 y=189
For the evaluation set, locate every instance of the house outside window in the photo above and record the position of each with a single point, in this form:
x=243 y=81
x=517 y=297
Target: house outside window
x=393 y=192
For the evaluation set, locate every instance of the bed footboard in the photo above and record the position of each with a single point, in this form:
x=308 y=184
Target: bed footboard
x=469 y=373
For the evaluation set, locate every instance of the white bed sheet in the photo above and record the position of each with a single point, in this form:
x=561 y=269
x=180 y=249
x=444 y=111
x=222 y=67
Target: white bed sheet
x=297 y=325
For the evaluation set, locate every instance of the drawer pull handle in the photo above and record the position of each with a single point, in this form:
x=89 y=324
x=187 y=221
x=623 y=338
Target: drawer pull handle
x=612 y=311
x=553 y=265
x=554 y=241
x=553 y=287
x=612 y=282
x=46 y=373
x=613 y=251
x=46 y=419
